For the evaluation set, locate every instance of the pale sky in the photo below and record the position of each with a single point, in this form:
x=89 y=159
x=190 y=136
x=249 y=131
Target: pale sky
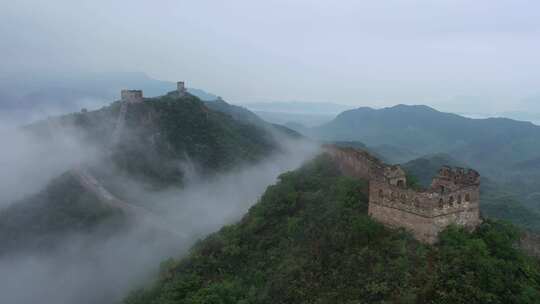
x=483 y=54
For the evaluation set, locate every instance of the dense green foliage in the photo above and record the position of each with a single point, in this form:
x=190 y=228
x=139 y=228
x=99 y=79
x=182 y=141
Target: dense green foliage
x=62 y=208
x=160 y=135
x=237 y=112
x=309 y=240
x=161 y=132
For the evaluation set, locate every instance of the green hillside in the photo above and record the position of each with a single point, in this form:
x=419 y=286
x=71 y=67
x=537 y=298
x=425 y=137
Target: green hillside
x=237 y=112
x=166 y=131
x=159 y=134
x=309 y=240
x=64 y=207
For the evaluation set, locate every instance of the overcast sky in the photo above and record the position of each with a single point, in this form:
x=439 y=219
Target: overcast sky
x=451 y=54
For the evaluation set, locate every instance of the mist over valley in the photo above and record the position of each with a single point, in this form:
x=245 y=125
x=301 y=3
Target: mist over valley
x=247 y=152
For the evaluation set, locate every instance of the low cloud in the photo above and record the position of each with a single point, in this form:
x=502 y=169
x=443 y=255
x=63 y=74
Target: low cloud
x=29 y=161
x=84 y=269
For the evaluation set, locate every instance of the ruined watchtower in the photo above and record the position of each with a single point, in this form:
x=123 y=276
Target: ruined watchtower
x=132 y=96
x=181 y=87
x=452 y=198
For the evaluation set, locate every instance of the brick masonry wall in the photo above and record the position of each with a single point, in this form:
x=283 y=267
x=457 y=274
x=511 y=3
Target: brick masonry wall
x=424 y=213
x=421 y=227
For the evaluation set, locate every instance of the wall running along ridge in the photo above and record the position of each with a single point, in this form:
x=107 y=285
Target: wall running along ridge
x=453 y=197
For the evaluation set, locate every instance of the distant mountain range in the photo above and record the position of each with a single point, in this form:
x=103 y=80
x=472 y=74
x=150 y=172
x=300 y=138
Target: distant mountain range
x=533 y=116
x=480 y=142
x=303 y=114
x=298 y=107
x=502 y=149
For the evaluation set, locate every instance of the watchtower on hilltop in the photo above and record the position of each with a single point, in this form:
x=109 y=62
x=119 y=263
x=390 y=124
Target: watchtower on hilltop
x=132 y=96
x=452 y=198
x=181 y=88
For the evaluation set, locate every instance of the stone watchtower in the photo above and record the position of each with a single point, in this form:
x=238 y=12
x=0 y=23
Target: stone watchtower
x=132 y=96
x=452 y=198
x=181 y=87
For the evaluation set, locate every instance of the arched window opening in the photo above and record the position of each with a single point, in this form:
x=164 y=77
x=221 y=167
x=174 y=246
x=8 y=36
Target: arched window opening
x=467 y=197
x=400 y=183
x=441 y=203
x=451 y=200
x=442 y=189
x=459 y=199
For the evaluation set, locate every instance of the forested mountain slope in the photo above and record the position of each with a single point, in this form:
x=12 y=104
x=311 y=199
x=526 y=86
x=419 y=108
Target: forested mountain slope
x=163 y=139
x=309 y=240
x=168 y=128
x=426 y=130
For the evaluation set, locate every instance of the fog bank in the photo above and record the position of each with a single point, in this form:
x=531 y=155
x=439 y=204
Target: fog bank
x=29 y=161
x=86 y=270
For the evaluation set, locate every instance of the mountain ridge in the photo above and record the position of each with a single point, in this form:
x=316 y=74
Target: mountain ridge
x=309 y=240
x=159 y=134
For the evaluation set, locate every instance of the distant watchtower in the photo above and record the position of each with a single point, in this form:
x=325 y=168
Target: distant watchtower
x=181 y=87
x=132 y=96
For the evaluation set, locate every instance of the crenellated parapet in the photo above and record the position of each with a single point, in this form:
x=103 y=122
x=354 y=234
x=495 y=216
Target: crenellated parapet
x=427 y=202
x=450 y=179
x=453 y=198
x=395 y=175
x=132 y=96
x=181 y=88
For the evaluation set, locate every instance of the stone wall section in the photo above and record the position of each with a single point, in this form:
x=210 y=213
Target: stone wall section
x=453 y=198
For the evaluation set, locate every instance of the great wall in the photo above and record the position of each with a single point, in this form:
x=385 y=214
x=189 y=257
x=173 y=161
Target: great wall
x=134 y=212
x=92 y=184
x=452 y=198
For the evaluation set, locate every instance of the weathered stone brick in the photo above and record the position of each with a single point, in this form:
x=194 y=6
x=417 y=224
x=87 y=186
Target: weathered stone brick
x=452 y=198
